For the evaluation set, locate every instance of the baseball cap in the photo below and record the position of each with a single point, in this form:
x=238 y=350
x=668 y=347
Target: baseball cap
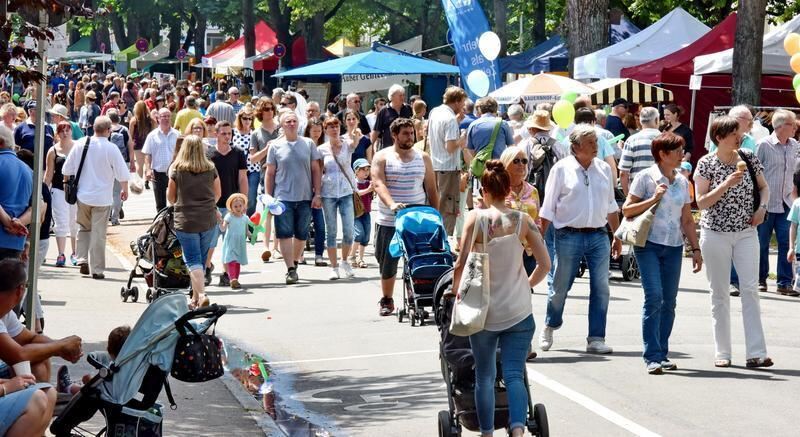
x=30 y=104
x=360 y=163
x=619 y=101
x=686 y=166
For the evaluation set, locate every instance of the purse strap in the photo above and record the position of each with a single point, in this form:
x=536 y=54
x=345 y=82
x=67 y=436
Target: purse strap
x=482 y=222
x=344 y=173
x=83 y=159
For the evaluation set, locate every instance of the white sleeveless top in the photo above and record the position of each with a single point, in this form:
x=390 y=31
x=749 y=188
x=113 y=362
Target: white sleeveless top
x=404 y=180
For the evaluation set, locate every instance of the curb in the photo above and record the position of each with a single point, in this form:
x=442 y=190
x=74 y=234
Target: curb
x=263 y=420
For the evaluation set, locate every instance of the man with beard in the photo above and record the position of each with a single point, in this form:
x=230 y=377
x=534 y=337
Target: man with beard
x=401 y=175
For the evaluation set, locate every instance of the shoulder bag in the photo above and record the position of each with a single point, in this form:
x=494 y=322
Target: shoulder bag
x=478 y=164
x=358 y=205
x=71 y=186
x=472 y=301
x=635 y=230
x=198 y=352
x=752 y=171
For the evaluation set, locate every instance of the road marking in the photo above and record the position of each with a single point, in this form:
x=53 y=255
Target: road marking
x=590 y=404
x=352 y=357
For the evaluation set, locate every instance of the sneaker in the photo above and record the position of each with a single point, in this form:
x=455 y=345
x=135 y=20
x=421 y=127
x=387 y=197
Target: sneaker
x=668 y=365
x=224 y=280
x=334 y=274
x=735 y=290
x=347 y=269
x=762 y=286
x=114 y=222
x=84 y=269
x=654 y=368
x=598 y=347
x=64 y=381
x=387 y=306
x=73 y=259
x=546 y=339
x=319 y=261
x=98 y=276
x=209 y=270
x=291 y=276
x=235 y=285
x=61 y=260
x=787 y=291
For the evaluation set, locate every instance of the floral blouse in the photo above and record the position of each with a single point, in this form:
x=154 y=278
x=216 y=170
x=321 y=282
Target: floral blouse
x=733 y=212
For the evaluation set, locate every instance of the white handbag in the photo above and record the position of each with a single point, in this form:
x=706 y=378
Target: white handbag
x=636 y=230
x=472 y=303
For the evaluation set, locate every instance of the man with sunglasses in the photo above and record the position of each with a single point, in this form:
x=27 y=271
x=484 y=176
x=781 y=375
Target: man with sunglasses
x=233 y=95
x=354 y=103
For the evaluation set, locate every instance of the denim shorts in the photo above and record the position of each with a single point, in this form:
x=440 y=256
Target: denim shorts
x=363 y=229
x=195 y=247
x=220 y=232
x=294 y=221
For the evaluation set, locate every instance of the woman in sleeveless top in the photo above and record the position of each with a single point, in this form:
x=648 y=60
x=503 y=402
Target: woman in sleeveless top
x=65 y=215
x=498 y=231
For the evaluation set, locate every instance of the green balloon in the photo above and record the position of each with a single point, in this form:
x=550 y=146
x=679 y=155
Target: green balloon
x=15 y=98
x=796 y=81
x=570 y=96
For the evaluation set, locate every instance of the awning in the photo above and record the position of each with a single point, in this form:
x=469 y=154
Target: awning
x=542 y=87
x=155 y=55
x=127 y=55
x=371 y=64
x=631 y=90
x=82 y=45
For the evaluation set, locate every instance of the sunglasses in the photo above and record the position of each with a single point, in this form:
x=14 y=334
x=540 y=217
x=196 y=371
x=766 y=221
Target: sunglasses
x=523 y=161
x=247 y=118
x=268 y=108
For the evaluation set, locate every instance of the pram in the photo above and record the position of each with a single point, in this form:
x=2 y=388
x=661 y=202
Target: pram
x=125 y=391
x=159 y=260
x=421 y=239
x=457 y=364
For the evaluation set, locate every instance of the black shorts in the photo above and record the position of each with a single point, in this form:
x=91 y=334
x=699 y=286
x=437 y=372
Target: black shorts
x=386 y=262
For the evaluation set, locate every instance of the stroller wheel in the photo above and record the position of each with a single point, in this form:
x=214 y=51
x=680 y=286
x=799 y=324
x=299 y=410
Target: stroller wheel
x=446 y=428
x=540 y=417
x=400 y=315
x=149 y=295
x=135 y=294
x=123 y=293
x=412 y=317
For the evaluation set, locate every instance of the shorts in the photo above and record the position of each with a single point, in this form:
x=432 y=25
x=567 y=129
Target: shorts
x=6 y=372
x=195 y=245
x=65 y=215
x=386 y=262
x=363 y=228
x=218 y=228
x=294 y=221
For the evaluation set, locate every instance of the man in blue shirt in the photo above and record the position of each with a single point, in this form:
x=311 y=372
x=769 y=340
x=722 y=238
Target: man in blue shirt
x=24 y=134
x=15 y=198
x=614 y=124
x=469 y=115
x=480 y=131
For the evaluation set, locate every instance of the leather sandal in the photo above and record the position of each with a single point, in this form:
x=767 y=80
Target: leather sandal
x=722 y=363
x=759 y=362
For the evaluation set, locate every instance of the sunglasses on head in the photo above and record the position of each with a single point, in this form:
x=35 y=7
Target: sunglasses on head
x=523 y=161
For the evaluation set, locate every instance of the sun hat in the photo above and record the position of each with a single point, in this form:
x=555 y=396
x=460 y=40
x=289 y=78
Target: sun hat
x=59 y=110
x=540 y=119
x=91 y=95
x=360 y=163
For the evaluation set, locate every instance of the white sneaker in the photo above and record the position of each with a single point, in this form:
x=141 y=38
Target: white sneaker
x=347 y=269
x=546 y=338
x=334 y=274
x=598 y=347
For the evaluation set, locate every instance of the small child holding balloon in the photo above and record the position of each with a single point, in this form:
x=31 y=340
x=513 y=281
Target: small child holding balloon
x=234 y=243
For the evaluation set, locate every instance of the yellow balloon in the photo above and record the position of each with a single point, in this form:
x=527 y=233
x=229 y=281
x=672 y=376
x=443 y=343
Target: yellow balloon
x=797 y=95
x=792 y=43
x=563 y=113
x=795 y=63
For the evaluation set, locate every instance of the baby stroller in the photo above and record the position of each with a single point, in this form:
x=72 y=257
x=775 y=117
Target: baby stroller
x=420 y=238
x=159 y=260
x=457 y=364
x=125 y=391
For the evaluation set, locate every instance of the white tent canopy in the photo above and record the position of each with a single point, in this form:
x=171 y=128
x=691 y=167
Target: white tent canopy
x=158 y=53
x=774 y=59
x=671 y=33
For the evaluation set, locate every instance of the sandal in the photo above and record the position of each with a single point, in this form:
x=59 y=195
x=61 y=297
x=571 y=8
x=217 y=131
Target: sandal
x=722 y=363
x=759 y=362
x=362 y=264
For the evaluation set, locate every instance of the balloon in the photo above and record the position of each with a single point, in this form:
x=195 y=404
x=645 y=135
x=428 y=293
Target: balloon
x=795 y=62
x=792 y=43
x=563 y=113
x=796 y=81
x=489 y=44
x=255 y=218
x=478 y=83
x=797 y=96
x=569 y=96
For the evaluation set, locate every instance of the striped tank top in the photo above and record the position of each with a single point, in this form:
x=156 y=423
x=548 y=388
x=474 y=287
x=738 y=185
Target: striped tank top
x=404 y=181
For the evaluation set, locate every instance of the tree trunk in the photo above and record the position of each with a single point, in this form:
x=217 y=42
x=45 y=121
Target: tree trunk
x=314 y=36
x=280 y=20
x=120 y=36
x=501 y=25
x=746 y=52
x=249 y=24
x=200 y=36
x=587 y=27
x=539 y=22
x=174 y=36
x=190 y=32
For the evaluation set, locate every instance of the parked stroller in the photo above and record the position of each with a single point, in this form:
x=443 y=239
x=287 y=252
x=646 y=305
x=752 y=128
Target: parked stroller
x=457 y=364
x=125 y=391
x=421 y=239
x=159 y=260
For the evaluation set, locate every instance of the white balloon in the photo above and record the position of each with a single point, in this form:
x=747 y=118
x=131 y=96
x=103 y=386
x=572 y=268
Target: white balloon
x=478 y=83
x=489 y=44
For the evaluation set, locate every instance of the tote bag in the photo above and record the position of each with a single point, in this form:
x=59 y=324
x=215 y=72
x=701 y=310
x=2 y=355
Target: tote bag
x=472 y=303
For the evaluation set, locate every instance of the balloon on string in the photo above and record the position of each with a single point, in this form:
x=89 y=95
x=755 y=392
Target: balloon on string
x=796 y=81
x=478 y=83
x=795 y=63
x=563 y=113
x=489 y=45
x=792 y=43
x=797 y=96
x=570 y=96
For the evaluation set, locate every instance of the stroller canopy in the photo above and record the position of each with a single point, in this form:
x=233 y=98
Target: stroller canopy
x=423 y=221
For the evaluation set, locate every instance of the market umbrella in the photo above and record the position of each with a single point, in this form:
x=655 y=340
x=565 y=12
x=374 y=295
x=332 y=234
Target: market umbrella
x=542 y=87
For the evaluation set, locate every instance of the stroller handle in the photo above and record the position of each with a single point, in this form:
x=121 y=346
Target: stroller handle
x=214 y=310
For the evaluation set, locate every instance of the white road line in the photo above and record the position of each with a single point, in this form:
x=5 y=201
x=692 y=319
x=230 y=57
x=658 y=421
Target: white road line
x=590 y=404
x=352 y=357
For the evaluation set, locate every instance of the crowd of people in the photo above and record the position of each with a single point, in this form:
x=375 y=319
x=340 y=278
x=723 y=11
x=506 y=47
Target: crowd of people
x=210 y=150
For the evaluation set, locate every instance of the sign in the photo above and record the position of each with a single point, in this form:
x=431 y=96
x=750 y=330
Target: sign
x=142 y=45
x=279 y=50
x=362 y=83
x=695 y=81
x=102 y=47
x=163 y=77
x=180 y=54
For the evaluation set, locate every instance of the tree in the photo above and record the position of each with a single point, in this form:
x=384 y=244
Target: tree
x=249 y=24
x=587 y=27
x=747 y=49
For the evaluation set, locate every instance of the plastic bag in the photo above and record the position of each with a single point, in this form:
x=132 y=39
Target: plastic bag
x=136 y=184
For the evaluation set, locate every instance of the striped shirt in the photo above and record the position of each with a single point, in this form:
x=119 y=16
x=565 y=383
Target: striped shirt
x=160 y=146
x=778 y=161
x=637 y=156
x=222 y=111
x=404 y=182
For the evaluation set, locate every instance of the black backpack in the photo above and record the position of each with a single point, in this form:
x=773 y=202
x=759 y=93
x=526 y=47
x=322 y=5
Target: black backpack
x=542 y=158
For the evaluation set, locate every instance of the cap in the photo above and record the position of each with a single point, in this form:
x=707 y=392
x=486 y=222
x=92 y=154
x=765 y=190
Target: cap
x=59 y=110
x=686 y=166
x=30 y=104
x=619 y=101
x=360 y=163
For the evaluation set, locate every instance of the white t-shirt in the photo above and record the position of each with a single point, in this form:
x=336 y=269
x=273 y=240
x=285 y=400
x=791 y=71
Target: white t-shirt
x=103 y=164
x=443 y=127
x=9 y=324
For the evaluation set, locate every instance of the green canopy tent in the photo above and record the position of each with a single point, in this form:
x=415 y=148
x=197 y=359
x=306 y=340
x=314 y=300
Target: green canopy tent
x=123 y=59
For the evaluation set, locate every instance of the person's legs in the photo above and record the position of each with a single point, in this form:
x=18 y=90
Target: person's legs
x=194 y=247
x=233 y=270
x=97 y=247
x=550 y=243
x=387 y=263
x=84 y=221
x=718 y=267
x=160 y=189
x=139 y=162
x=671 y=261
x=346 y=214
x=484 y=350
x=37 y=415
x=329 y=206
x=782 y=234
x=253 y=178
x=73 y=228
x=597 y=253
x=744 y=249
x=61 y=212
x=764 y=236
x=116 y=202
x=648 y=259
x=318 y=217
x=284 y=232
x=448 y=187
x=302 y=217
x=514 y=344
x=569 y=250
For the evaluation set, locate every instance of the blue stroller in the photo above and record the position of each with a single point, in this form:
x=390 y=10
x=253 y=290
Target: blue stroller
x=125 y=391
x=421 y=239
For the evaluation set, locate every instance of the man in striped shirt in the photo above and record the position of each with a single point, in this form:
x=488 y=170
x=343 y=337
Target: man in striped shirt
x=221 y=110
x=636 y=155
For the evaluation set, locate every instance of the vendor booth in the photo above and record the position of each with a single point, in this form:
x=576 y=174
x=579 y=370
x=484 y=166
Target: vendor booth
x=538 y=88
x=608 y=90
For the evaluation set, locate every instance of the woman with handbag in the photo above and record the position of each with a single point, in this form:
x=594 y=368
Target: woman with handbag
x=731 y=191
x=337 y=194
x=65 y=215
x=504 y=315
x=663 y=188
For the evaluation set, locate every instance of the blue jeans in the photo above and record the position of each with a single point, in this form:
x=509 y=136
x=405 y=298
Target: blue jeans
x=778 y=223
x=345 y=206
x=363 y=228
x=294 y=221
x=661 y=273
x=514 y=344
x=570 y=248
x=550 y=243
x=318 y=219
x=195 y=247
x=220 y=233
x=253 y=178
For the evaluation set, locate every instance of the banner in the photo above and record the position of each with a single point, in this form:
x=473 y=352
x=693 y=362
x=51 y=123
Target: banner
x=472 y=41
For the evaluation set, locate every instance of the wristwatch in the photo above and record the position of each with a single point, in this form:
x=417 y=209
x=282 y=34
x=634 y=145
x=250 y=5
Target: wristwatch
x=763 y=205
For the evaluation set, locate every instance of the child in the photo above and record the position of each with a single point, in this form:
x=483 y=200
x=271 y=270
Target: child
x=362 y=224
x=794 y=247
x=116 y=338
x=686 y=171
x=234 y=243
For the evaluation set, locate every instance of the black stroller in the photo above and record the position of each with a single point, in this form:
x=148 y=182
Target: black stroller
x=457 y=363
x=159 y=260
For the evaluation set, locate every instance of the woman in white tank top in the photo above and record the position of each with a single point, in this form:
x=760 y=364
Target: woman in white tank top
x=509 y=319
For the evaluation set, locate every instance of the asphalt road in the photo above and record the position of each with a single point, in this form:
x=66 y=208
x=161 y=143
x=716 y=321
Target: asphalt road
x=341 y=366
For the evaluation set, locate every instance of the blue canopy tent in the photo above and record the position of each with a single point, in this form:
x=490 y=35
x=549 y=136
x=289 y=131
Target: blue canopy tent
x=372 y=63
